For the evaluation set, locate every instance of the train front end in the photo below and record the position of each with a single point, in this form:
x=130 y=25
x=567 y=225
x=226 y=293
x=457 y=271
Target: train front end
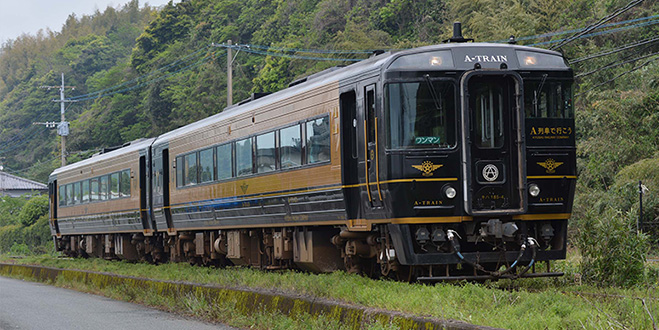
x=478 y=164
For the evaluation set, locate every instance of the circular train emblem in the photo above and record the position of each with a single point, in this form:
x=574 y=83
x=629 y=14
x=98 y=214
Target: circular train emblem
x=490 y=172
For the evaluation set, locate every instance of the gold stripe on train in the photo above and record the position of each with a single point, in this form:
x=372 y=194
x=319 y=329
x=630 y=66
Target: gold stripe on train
x=547 y=216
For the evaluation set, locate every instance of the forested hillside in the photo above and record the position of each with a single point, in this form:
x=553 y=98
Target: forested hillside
x=139 y=72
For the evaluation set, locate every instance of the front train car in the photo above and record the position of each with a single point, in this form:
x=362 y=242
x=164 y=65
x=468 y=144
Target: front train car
x=471 y=158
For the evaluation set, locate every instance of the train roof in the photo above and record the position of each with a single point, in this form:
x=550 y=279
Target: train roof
x=134 y=146
x=371 y=66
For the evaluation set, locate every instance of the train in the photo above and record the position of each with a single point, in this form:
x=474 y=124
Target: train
x=444 y=162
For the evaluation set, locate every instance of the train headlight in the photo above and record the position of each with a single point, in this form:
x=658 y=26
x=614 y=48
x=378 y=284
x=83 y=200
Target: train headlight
x=530 y=61
x=450 y=192
x=534 y=190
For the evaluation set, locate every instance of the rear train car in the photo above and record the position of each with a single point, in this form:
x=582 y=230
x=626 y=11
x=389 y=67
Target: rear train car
x=442 y=162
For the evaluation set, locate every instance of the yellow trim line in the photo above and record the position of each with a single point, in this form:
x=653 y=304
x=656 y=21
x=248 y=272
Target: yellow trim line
x=548 y=216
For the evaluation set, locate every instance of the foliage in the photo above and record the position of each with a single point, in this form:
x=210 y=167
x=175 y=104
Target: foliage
x=35 y=208
x=613 y=252
x=10 y=209
x=19 y=249
x=25 y=223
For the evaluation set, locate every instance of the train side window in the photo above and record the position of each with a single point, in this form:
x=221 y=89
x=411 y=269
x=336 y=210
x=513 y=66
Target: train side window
x=114 y=185
x=370 y=112
x=77 y=194
x=265 y=153
x=94 y=184
x=290 y=147
x=548 y=99
x=190 y=168
x=206 y=165
x=103 y=190
x=69 y=194
x=244 y=157
x=124 y=184
x=62 y=195
x=224 y=162
x=349 y=120
x=318 y=140
x=179 y=171
x=85 y=191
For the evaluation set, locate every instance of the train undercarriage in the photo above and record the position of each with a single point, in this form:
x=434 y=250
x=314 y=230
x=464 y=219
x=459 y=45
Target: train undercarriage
x=478 y=250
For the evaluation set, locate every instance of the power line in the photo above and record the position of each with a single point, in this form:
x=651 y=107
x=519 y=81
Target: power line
x=618 y=76
x=600 y=33
x=556 y=33
x=598 y=23
x=247 y=49
x=183 y=59
x=613 y=51
x=198 y=62
x=298 y=50
x=611 y=66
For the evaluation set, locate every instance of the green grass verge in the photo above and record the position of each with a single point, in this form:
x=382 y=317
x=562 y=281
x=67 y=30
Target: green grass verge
x=559 y=303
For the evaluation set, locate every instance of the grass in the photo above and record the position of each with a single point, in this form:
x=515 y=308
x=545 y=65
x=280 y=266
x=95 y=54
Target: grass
x=550 y=303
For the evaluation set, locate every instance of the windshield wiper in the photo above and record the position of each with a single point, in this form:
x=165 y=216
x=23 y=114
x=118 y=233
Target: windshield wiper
x=433 y=93
x=536 y=92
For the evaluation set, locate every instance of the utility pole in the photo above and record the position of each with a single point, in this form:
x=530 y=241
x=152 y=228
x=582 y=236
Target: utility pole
x=229 y=75
x=63 y=125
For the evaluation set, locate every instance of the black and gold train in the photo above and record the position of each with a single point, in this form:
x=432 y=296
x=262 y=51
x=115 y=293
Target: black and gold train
x=441 y=162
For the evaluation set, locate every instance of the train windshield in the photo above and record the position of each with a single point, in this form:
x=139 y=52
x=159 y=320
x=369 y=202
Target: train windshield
x=548 y=99
x=420 y=114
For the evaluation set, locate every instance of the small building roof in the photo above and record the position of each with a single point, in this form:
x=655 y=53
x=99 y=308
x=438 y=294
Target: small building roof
x=12 y=182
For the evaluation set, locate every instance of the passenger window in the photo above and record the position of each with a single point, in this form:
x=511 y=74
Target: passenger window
x=103 y=193
x=265 y=153
x=85 y=191
x=69 y=194
x=244 y=157
x=206 y=165
x=114 y=185
x=62 y=195
x=95 y=189
x=77 y=194
x=124 y=185
x=190 y=169
x=290 y=149
x=318 y=140
x=224 y=162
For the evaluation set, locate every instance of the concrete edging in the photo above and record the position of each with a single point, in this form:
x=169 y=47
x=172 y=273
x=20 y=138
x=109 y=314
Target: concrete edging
x=245 y=300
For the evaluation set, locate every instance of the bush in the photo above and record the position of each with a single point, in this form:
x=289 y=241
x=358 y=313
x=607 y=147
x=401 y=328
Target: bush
x=10 y=235
x=613 y=253
x=10 y=208
x=34 y=208
x=19 y=249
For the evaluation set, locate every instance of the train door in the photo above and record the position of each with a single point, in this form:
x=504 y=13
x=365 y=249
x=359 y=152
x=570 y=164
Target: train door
x=144 y=207
x=160 y=187
x=371 y=147
x=52 y=194
x=494 y=149
x=349 y=156
x=165 y=188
